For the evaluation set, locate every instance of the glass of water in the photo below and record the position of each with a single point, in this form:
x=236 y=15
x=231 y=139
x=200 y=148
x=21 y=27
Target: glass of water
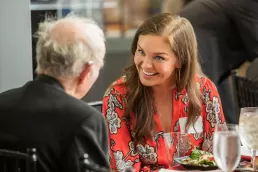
x=226 y=146
x=248 y=127
x=177 y=145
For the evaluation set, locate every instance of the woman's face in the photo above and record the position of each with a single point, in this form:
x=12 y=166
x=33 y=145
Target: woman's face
x=155 y=61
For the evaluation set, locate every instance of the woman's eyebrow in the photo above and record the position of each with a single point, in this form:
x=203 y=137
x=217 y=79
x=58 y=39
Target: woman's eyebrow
x=156 y=53
x=139 y=46
x=160 y=53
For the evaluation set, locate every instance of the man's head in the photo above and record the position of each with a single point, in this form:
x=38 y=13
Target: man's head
x=72 y=50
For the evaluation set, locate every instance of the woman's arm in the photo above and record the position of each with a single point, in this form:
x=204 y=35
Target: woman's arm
x=212 y=112
x=123 y=153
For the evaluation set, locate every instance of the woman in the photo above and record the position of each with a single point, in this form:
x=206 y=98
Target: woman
x=162 y=91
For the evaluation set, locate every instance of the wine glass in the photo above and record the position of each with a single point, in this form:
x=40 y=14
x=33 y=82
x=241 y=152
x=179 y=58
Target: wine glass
x=248 y=127
x=226 y=146
x=177 y=145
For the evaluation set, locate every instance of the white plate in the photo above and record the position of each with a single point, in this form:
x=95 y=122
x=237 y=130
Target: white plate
x=245 y=151
x=167 y=170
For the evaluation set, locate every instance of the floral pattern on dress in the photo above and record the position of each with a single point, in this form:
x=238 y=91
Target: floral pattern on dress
x=156 y=138
x=113 y=120
x=151 y=155
x=183 y=148
x=185 y=99
x=206 y=95
x=198 y=136
x=147 y=153
x=213 y=110
x=208 y=143
x=178 y=94
x=186 y=109
x=120 y=161
x=176 y=128
x=132 y=149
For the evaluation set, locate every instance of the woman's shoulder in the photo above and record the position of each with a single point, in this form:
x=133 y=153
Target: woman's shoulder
x=119 y=86
x=205 y=83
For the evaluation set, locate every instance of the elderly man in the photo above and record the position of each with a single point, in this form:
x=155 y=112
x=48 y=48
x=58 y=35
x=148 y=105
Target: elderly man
x=47 y=113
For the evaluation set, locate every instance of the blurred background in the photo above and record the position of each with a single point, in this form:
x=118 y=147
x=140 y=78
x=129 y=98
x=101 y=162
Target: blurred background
x=227 y=35
x=118 y=18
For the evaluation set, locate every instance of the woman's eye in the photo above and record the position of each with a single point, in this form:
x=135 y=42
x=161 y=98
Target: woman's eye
x=140 y=52
x=159 y=58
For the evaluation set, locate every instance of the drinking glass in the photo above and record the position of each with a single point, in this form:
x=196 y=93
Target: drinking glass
x=248 y=127
x=226 y=146
x=177 y=145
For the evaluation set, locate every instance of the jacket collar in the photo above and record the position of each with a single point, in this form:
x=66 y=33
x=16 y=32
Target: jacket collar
x=50 y=80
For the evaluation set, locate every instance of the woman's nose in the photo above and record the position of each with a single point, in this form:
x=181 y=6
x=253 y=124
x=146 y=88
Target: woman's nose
x=147 y=63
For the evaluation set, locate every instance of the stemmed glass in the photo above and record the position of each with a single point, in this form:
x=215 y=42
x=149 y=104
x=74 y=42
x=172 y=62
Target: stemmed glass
x=248 y=128
x=226 y=146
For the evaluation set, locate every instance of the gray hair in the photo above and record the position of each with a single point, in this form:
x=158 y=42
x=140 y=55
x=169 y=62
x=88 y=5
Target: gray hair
x=67 y=59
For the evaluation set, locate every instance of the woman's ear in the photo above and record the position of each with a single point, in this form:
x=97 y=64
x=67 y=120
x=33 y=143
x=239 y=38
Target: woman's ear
x=178 y=64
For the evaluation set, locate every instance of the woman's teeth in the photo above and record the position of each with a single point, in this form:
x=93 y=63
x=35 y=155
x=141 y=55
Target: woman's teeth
x=147 y=73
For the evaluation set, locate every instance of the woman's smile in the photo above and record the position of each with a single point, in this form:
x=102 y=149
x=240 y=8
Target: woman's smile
x=149 y=73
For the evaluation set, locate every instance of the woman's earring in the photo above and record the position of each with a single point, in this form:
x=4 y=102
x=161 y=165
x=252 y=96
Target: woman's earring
x=178 y=77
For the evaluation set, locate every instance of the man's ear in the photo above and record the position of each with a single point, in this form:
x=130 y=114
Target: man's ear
x=86 y=72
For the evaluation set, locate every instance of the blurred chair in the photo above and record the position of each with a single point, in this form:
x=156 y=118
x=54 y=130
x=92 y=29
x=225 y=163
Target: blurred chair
x=14 y=161
x=246 y=91
x=245 y=88
x=87 y=166
x=96 y=104
x=252 y=70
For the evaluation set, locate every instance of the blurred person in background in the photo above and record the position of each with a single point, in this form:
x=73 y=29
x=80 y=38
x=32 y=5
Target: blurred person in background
x=227 y=35
x=172 y=7
x=136 y=12
x=163 y=90
x=47 y=113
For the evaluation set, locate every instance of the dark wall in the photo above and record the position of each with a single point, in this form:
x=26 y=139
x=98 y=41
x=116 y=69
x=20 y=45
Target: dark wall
x=114 y=64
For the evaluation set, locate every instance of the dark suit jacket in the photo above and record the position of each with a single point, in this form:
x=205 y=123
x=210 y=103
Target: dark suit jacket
x=62 y=128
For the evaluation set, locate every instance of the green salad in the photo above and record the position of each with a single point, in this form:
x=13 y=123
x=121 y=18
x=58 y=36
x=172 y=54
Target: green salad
x=201 y=158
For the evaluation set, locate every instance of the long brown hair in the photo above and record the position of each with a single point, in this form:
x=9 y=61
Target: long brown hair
x=182 y=40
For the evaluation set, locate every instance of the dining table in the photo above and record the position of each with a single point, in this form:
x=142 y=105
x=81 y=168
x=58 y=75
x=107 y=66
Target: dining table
x=244 y=165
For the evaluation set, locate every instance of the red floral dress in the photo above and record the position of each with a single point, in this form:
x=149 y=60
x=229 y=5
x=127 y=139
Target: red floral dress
x=125 y=152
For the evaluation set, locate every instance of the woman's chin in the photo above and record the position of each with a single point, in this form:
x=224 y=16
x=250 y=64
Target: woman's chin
x=147 y=83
